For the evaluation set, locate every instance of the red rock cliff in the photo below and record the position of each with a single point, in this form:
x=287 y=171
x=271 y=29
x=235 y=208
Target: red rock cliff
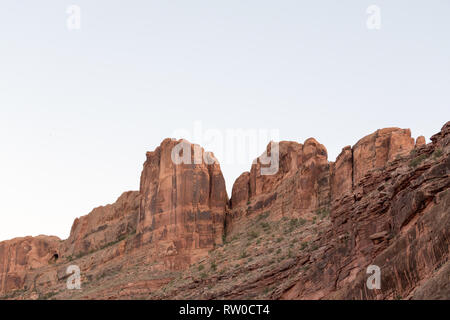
x=183 y=205
x=309 y=231
x=21 y=255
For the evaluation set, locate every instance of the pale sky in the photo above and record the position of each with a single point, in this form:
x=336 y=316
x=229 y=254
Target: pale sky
x=79 y=108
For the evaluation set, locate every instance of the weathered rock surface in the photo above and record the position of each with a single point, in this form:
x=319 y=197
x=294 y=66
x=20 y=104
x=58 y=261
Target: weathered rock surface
x=309 y=231
x=300 y=186
x=183 y=205
x=103 y=226
x=420 y=141
x=397 y=218
x=18 y=257
x=376 y=150
x=388 y=207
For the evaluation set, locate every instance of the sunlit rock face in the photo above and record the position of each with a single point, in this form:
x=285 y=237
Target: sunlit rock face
x=18 y=257
x=307 y=231
x=103 y=226
x=183 y=205
x=376 y=150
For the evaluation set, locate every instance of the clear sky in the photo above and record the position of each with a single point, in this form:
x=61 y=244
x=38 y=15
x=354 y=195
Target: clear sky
x=79 y=108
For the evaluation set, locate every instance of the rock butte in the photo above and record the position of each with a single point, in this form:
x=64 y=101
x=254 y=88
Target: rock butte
x=307 y=232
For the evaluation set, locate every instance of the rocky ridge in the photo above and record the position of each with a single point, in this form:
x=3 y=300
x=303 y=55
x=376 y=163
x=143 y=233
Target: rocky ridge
x=307 y=232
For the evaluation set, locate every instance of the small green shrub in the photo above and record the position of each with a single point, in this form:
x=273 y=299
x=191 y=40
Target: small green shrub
x=437 y=153
x=322 y=213
x=253 y=235
x=263 y=216
x=417 y=160
x=293 y=223
x=265 y=226
x=289 y=253
x=303 y=245
x=244 y=255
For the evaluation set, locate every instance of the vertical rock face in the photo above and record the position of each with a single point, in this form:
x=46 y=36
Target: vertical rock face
x=252 y=184
x=420 y=141
x=289 y=153
x=386 y=194
x=183 y=205
x=371 y=152
x=308 y=231
x=377 y=149
x=395 y=217
x=104 y=225
x=19 y=256
x=300 y=186
x=241 y=190
x=342 y=171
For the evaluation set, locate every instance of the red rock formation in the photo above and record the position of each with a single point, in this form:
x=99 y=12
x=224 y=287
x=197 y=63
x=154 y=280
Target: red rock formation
x=241 y=190
x=183 y=205
x=383 y=202
x=371 y=152
x=396 y=218
x=342 y=172
x=104 y=225
x=377 y=149
x=299 y=187
x=420 y=141
x=21 y=255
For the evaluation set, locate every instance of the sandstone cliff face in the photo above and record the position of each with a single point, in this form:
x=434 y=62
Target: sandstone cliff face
x=300 y=186
x=371 y=152
x=377 y=149
x=103 y=226
x=309 y=231
x=21 y=255
x=388 y=206
x=396 y=218
x=183 y=205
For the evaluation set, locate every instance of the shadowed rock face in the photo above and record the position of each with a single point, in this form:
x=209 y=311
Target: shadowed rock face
x=383 y=202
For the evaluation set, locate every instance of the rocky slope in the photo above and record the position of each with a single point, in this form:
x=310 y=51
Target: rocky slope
x=307 y=232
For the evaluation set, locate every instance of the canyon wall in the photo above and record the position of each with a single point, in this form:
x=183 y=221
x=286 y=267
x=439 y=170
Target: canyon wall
x=183 y=205
x=383 y=202
x=21 y=256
